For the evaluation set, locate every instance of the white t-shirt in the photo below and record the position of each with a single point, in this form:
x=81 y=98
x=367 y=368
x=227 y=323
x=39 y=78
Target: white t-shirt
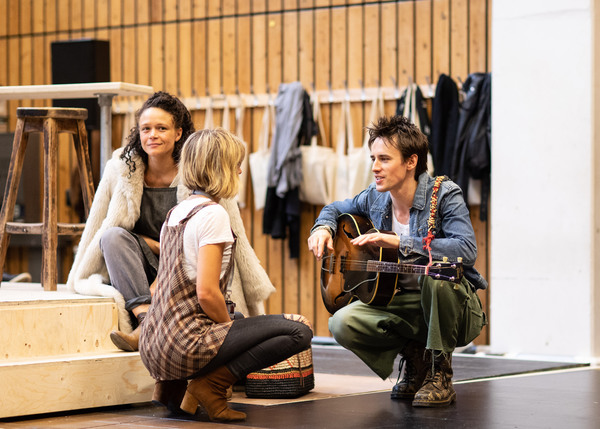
x=210 y=225
x=400 y=228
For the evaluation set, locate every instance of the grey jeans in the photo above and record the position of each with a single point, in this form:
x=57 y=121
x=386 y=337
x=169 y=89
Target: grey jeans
x=129 y=269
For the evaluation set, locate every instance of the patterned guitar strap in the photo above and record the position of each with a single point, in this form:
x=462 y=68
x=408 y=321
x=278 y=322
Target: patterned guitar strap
x=431 y=226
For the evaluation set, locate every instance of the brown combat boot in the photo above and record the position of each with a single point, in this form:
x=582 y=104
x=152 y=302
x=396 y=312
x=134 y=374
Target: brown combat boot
x=437 y=390
x=413 y=369
x=210 y=392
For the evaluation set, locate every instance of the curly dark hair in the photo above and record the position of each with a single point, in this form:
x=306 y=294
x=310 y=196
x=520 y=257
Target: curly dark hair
x=404 y=136
x=181 y=118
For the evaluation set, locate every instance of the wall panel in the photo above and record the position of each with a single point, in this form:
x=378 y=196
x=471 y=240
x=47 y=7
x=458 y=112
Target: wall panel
x=196 y=47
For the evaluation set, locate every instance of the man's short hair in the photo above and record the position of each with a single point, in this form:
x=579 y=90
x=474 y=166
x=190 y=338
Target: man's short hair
x=404 y=136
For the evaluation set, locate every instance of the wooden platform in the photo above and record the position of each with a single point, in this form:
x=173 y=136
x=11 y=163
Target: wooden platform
x=57 y=355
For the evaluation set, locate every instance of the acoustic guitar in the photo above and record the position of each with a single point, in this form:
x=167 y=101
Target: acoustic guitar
x=369 y=273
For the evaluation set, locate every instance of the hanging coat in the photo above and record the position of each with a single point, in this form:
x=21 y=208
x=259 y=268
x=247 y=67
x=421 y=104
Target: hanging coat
x=293 y=126
x=472 y=156
x=444 y=124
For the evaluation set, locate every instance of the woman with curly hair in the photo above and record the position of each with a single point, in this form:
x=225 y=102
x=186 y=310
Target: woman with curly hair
x=140 y=184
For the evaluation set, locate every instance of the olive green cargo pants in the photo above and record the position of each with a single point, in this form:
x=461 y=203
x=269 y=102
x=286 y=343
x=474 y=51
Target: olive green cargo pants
x=442 y=316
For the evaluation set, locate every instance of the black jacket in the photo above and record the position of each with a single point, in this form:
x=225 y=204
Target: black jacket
x=444 y=124
x=472 y=155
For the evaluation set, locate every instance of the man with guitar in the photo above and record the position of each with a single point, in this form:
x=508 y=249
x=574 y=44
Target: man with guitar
x=392 y=268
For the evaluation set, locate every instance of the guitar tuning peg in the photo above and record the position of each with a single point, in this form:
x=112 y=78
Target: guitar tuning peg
x=445 y=259
x=459 y=259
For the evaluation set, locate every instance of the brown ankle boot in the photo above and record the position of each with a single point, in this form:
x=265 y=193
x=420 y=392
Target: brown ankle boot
x=210 y=392
x=414 y=364
x=437 y=390
x=169 y=393
x=128 y=342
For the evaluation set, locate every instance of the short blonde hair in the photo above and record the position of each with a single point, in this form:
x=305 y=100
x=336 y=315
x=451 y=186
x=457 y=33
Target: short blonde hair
x=210 y=160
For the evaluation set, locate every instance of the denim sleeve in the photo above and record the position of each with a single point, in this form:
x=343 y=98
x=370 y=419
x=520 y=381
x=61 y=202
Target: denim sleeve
x=330 y=213
x=455 y=237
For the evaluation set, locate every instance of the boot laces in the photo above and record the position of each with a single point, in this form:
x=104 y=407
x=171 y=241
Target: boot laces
x=407 y=371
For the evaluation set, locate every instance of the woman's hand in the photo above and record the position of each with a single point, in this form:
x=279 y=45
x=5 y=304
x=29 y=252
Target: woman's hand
x=208 y=272
x=153 y=244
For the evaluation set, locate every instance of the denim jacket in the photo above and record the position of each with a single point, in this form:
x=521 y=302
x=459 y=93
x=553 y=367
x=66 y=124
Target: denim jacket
x=454 y=236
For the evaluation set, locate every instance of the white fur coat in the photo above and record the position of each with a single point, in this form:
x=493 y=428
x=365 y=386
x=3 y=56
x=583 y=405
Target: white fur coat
x=117 y=203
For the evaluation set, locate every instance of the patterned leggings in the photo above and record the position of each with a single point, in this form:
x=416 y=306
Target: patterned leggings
x=256 y=342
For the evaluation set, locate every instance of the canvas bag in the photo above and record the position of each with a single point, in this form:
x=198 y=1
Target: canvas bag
x=363 y=175
x=208 y=117
x=353 y=170
x=411 y=112
x=226 y=124
x=318 y=165
x=259 y=160
x=242 y=195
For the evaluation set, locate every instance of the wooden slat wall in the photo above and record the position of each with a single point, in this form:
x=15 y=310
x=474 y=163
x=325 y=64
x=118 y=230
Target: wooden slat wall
x=200 y=47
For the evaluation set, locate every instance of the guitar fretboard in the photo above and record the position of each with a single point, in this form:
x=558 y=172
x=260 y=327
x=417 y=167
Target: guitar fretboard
x=389 y=267
x=383 y=267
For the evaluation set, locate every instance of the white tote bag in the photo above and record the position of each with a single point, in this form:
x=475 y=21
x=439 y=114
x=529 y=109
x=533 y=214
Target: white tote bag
x=353 y=172
x=259 y=160
x=344 y=140
x=239 y=131
x=318 y=165
x=361 y=176
x=208 y=118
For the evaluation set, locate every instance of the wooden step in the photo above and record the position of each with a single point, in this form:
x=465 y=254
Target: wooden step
x=37 y=323
x=73 y=382
x=56 y=353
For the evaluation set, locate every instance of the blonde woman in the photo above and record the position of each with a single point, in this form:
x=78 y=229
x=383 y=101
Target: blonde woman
x=190 y=331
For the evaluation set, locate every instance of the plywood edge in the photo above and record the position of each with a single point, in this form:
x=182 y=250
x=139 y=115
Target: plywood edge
x=71 y=383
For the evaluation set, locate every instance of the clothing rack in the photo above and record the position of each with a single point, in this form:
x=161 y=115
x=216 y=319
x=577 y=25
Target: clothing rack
x=328 y=96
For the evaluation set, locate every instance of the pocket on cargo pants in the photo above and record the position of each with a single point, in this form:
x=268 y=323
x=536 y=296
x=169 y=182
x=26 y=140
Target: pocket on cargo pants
x=474 y=318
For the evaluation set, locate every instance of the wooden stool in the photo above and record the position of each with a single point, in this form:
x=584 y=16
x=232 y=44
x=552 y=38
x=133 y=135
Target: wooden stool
x=50 y=121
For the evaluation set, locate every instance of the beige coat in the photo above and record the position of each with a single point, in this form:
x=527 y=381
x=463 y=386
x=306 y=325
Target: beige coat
x=117 y=203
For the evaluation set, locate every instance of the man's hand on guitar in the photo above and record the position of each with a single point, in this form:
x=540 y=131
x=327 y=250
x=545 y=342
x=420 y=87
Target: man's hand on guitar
x=317 y=242
x=378 y=239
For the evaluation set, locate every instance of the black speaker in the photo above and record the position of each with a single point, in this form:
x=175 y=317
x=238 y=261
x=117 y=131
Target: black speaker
x=81 y=61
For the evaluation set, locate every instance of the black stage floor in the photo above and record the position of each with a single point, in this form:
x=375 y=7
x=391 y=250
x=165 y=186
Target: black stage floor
x=519 y=394
x=337 y=360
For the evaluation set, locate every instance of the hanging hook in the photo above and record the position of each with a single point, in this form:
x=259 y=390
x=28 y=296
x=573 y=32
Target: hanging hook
x=254 y=96
x=363 y=96
x=330 y=92
x=396 y=89
x=429 y=86
x=197 y=98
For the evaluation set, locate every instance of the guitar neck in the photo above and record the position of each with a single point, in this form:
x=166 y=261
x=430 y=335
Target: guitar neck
x=390 y=267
